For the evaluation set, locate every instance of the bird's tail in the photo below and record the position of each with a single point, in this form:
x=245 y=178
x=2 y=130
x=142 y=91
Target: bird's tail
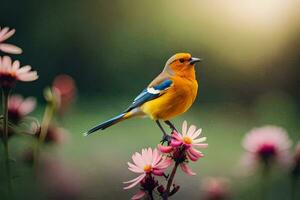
x=109 y=123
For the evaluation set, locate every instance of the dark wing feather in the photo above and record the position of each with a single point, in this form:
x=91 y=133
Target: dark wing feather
x=150 y=94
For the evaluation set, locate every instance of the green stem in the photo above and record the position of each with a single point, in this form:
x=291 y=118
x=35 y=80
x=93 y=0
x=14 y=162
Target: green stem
x=5 y=95
x=170 y=181
x=265 y=176
x=48 y=115
x=151 y=195
x=293 y=187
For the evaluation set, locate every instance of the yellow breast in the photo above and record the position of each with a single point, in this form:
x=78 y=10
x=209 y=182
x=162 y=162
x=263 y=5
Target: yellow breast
x=177 y=99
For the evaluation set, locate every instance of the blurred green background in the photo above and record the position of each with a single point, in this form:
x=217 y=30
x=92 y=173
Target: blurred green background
x=113 y=49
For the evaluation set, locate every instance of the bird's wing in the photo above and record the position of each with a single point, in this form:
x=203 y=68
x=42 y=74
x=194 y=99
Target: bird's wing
x=150 y=93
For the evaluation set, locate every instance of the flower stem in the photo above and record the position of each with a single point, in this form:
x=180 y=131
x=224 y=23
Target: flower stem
x=170 y=181
x=48 y=115
x=265 y=176
x=293 y=187
x=5 y=95
x=151 y=195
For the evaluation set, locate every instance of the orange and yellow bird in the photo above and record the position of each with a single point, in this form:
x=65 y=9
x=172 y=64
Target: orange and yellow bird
x=170 y=94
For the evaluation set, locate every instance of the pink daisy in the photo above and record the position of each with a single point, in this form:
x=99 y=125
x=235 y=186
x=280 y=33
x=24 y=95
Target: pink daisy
x=18 y=107
x=265 y=145
x=5 y=33
x=188 y=139
x=10 y=72
x=149 y=162
x=185 y=144
x=215 y=188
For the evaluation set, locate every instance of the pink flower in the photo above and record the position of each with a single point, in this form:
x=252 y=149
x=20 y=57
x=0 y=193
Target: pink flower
x=215 y=188
x=139 y=195
x=5 y=33
x=183 y=146
x=18 y=107
x=148 y=162
x=65 y=87
x=10 y=72
x=265 y=145
x=188 y=139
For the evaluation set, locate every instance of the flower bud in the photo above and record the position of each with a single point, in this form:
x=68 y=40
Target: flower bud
x=161 y=189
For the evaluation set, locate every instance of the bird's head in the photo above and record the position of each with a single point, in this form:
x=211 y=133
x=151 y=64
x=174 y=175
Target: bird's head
x=181 y=64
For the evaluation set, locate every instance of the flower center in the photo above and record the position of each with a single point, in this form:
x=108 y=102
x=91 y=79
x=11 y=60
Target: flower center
x=267 y=151
x=147 y=168
x=7 y=80
x=187 y=140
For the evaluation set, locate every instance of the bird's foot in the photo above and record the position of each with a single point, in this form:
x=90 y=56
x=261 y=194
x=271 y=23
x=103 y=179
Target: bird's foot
x=174 y=130
x=171 y=125
x=166 y=138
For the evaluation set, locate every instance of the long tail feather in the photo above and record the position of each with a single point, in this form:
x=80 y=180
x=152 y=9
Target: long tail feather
x=106 y=124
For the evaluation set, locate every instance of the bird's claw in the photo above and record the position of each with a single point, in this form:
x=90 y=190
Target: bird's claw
x=174 y=130
x=166 y=138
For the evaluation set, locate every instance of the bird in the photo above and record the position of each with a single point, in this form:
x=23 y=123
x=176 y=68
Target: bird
x=168 y=95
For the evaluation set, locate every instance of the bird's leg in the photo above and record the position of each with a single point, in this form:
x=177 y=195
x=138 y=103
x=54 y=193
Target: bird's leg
x=171 y=125
x=166 y=137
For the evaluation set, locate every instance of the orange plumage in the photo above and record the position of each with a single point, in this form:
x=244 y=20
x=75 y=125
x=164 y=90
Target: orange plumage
x=170 y=94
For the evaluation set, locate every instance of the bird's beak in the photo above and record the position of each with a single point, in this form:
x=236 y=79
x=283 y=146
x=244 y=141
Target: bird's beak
x=194 y=60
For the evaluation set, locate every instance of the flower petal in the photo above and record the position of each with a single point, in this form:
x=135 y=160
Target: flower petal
x=24 y=69
x=139 y=195
x=177 y=136
x=5 y=34
x=15 y=65
x=6 y=63
x=158 y=159
x=134 y=168
x=15 y=101
x=9 y=48
x=149 y=154
x=137 y=159
x=195 y=152
x=135 y=182
x=158 y=172
x=191 y=130
x=165 y=149
x=155 y=156
x=29 y=76
x=203 y=139
x=27 y=106
x=201 y=146
x=191 y=156
x=196 y=134
x=164 y=163
x=144 y=156
x=175 y=143
x=184 y=128
x=185 y=168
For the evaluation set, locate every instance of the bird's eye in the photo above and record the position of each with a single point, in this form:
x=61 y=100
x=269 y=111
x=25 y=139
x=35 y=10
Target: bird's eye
x=181 y=60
